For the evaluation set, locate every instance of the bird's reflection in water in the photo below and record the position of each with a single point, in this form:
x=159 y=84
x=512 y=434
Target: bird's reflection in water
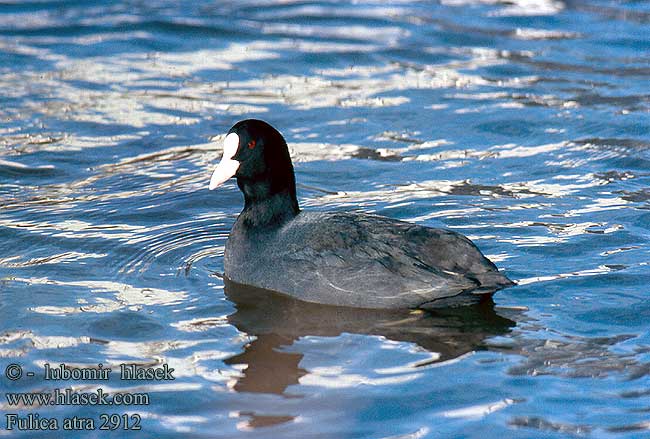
x=277 y=321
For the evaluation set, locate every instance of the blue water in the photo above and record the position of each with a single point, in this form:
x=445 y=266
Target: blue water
x=523 y=124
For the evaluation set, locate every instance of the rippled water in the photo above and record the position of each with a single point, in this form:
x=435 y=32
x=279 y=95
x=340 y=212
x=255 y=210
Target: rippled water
x=522 y=124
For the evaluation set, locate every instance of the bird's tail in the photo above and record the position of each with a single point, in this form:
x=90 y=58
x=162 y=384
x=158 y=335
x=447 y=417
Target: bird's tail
x=493 y=280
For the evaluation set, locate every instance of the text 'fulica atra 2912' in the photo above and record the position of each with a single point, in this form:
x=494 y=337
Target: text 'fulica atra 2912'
x=337 y=258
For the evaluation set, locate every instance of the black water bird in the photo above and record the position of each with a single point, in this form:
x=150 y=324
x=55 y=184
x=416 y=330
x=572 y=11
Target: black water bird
x=337 y=258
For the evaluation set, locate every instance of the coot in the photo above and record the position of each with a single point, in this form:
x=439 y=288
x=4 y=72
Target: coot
x=337 y=258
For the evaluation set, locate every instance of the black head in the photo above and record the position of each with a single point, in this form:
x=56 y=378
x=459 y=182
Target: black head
x=257 y=155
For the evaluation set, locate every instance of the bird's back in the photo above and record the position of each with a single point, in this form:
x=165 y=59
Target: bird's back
x=362 y=260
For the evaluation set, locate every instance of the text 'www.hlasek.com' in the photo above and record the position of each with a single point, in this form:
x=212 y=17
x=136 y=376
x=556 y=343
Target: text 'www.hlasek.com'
x=24 y=410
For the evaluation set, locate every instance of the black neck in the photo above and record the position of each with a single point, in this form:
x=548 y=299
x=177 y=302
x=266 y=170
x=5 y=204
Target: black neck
x=267 y=206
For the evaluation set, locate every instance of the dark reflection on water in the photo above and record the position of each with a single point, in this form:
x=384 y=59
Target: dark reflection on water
x=277 y=321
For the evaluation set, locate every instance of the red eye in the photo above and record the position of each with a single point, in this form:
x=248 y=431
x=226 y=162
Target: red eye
x=251 y=144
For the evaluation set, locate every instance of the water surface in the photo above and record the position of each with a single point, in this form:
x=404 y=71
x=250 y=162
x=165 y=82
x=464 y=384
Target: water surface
x=522 y=124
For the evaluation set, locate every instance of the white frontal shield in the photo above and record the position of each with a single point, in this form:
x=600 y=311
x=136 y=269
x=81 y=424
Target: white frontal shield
x=227 y=167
